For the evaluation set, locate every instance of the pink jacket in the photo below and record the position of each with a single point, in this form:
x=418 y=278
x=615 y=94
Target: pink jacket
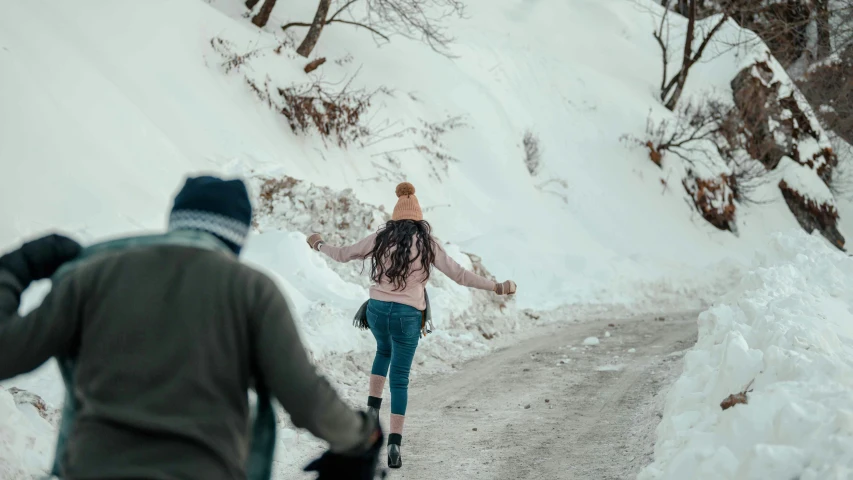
x=413 y=294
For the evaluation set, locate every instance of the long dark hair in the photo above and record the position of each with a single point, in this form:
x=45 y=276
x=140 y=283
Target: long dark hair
x=394 y=242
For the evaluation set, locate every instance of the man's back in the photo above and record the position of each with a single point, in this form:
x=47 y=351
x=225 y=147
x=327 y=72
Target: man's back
x=159 y=338
x=164 y=364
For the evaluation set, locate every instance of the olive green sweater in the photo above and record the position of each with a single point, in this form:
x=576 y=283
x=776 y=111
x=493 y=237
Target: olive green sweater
x=167 y=341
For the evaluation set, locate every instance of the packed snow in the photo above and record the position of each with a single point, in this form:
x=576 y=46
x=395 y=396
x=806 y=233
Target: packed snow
x=102 y=117
x=784 y=336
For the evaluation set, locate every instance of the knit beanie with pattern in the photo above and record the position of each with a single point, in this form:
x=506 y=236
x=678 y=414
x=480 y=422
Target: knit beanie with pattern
x=407 y=207
x=216 y=206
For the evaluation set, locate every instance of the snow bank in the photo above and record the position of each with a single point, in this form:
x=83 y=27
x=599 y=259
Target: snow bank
x=26 y=441
x=786 y=332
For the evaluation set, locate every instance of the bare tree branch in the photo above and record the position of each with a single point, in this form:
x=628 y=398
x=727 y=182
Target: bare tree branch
x=420 y=20
x=295 y=24
x=346 y=6
x=357 y=24
x=663 y=44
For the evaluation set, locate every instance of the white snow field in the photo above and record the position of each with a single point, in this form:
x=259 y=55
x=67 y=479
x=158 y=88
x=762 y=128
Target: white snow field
x=106 y=106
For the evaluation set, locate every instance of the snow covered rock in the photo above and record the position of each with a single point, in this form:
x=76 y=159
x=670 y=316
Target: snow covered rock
x=713 y=198
x=779 y=124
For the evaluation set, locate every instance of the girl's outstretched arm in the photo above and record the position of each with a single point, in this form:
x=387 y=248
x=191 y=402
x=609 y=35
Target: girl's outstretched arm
x=357 y=251
x=457 y=273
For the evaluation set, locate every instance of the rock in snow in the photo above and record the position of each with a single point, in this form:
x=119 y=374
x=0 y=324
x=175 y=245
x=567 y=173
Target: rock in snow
x=591 y=341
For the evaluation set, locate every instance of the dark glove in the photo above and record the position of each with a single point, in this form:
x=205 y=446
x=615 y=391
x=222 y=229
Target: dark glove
x=39 y=259
x=362 y=466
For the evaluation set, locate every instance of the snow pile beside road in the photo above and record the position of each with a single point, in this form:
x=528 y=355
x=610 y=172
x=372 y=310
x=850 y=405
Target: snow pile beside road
x=25 y=440
x=785 y=335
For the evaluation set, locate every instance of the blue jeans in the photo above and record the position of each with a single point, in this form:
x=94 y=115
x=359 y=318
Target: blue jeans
x=397 y=329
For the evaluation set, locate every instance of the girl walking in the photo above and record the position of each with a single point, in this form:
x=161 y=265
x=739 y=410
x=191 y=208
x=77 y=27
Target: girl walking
x=402 y=254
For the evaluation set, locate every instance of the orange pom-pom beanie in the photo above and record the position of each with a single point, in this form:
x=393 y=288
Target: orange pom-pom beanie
x=407 y=207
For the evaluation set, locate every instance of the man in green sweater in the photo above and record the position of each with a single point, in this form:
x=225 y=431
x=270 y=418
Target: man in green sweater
x=167 y=334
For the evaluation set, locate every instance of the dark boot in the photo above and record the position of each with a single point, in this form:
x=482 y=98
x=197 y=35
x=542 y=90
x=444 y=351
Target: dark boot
x=395 y=457
x=373 y=405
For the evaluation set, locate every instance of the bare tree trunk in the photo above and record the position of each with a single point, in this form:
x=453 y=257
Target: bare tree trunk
x=263 y=15
x=250 y=4
x=672 y=88
x=824 y=42
x=317 y=25
x=679 y=89
x=687 y=58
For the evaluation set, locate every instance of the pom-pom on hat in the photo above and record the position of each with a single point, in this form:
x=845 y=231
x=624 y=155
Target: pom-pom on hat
x=407 y=207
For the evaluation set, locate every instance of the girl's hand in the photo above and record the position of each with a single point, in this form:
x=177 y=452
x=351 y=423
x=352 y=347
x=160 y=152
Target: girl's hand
x=506 y=288
x=314 y=241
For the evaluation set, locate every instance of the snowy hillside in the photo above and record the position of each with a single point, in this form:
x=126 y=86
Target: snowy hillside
x=106 y=106
x=113 y=126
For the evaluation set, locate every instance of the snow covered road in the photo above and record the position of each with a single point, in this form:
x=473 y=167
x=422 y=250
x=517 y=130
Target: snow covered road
x=549 y=407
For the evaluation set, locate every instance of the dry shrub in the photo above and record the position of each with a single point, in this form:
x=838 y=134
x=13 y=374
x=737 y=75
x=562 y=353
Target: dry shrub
x=561 y=186
x=477 y=266
x=429 y=142
x=273 y=187
x=532 y=152
x=812 y=215
x=485 y=297
x=654 y=154
x=432 y=145
x=690 y=135
x=337 y=215
x=232 y=61
x=713 y=198
x=313 y=106
x=333 y=114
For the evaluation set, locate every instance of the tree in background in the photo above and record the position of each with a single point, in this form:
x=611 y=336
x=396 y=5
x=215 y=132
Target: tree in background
x=263 y=15
x=672 y=88
x=813 y=40
x=798 y=32
x=421 y=20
